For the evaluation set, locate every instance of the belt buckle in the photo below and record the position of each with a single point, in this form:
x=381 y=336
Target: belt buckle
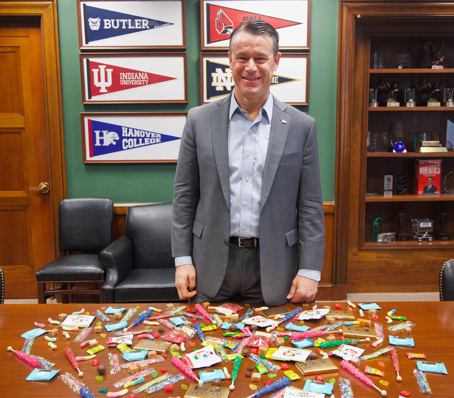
x=240 y=242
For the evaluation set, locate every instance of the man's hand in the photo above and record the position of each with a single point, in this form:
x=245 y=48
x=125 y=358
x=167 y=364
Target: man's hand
x=303 y=290
x=185 y=274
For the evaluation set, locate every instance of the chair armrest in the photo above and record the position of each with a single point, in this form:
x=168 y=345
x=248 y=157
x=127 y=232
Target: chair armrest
x=117 y=258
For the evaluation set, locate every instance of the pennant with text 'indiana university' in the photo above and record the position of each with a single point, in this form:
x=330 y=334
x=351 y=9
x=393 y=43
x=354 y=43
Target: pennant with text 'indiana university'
x=105 y=78
x=108 y=138
x=104 y=24
x=222 y=21
x=220 y=80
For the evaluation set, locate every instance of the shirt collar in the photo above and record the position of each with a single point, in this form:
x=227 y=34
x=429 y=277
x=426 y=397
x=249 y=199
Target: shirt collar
x=267 y=109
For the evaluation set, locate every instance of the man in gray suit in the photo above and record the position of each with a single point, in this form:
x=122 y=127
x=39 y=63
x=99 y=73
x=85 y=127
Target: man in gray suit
x=248 y=218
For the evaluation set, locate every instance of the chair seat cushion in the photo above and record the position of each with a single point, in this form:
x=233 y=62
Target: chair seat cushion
x=147 y=285
x=72 y=268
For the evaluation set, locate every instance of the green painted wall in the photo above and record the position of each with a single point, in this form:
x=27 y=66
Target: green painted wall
x=131 y=183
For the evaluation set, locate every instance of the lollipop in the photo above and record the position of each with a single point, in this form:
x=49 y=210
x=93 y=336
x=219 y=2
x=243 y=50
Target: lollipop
x=278 y=384
x=291 y=315
x=361 y=376
x=396 y=366
x=22 y=355
x=202 y=312
x=140 y=319
x=185 y=368
x=70 y=355
x=236 y=368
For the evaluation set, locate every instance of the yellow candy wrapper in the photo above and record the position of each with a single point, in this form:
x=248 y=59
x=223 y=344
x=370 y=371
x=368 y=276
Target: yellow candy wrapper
x=123 y=347
x=292 y=375
x=96 y=349
x=374 y=371
x=270 y=352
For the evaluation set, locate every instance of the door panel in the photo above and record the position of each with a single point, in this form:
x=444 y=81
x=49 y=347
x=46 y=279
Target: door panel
x=26 y=219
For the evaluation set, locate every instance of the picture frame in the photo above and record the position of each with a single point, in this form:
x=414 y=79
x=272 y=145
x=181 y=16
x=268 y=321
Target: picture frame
x=290 y=82
x=140 y=137
x=134 y=78
x=120 y=24
x=291 y=18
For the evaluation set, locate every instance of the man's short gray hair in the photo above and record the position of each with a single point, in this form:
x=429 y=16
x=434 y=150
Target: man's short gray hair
x=256 y=28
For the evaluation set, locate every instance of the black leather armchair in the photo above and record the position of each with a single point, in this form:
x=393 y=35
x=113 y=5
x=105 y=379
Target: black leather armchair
x=85 y=224
x=447 y=281
x=139 y=265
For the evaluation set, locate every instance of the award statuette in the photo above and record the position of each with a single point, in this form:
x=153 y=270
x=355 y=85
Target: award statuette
x=402 y=184
x=435 y=56
x=433 y=90
x=402 y=235
x=392 y=91
x=421 y=227
x=443 y=235
x=448 y=97
x=377 y=228
x=410 y=97
x=373 y=93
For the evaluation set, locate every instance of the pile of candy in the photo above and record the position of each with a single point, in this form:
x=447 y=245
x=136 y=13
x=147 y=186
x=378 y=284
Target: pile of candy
x=260 y=344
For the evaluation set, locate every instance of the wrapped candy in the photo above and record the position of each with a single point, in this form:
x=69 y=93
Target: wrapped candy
x=28 y=344
x=203 y=312
x=361 y=376
x=44 y=363
x=345 y=387
x=240 y=346
x=396 y=365
x=236 y=368
x=114 y=363
x=76 y=385
x=176 y=337
x=28 y=358
x=178 y=310
x=101 y=316
x=131 y=333
x=151 y=360
x=337 y=343
x=72 y=359
x=166 y=323
x=377 y=353
x=278 y=384
x=423 y=384
x=129 y=314
x=310 y=334
x=334 y=326
x=133 y=377
x=270 y=366
x=82 y=335
x=184 y=368
x=401 y=326
x=160 y=386
x=152 y=383
x=247 y=314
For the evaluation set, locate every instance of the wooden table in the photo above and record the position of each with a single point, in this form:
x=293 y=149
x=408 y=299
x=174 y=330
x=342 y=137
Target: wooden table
x=433 y=335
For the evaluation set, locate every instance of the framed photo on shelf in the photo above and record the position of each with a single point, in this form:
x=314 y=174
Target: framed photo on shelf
x=133 y=78
x=290 y=18
x=119 y=24
x=131 y=137
x=290 y=82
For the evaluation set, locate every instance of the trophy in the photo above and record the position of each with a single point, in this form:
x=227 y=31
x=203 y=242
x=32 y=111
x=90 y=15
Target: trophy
x=432 y=89
x=448 y=99
x=373 y=92
x=420 y=228
x=402 y=235
x=402 y=184
x=391 y=90
x=410 y=97
x=398 y=138
x=435 y=56
x=403 y=60
x=443 y=235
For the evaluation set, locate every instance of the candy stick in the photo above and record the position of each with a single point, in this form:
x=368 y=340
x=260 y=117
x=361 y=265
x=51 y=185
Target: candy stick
x=291 y=315
x=139 y=320
x=311 y=333
x=361 y=376
x=337 y=343
x=278 y=384
x=185 y=368
x=396 y=366
x=22 y=355
x=202 y=312
x=236 y=368
x=70 y=355
x=117 y=394
x=198 y=329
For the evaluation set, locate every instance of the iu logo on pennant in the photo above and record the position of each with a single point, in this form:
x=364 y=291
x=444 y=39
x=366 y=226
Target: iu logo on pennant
x=102 y=78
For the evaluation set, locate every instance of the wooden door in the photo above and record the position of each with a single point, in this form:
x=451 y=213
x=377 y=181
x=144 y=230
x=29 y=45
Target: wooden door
x=26 y=217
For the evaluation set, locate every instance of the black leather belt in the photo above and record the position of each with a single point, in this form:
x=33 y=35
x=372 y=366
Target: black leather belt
x=248 y=243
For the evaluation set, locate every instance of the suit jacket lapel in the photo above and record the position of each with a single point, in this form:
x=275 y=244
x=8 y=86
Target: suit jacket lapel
x=278 y=136
x=219 y=129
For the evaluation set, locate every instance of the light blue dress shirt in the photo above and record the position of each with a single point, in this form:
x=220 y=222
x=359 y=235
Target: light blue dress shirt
x=247 y=146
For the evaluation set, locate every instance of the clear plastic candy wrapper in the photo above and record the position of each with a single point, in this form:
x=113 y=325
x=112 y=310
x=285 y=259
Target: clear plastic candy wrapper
x=270 y=366
x=160 y=386
x=101 y=316
x=28 y=344
x=346 y=388
x=177 y=336
x=133 y=377
x=43 y=362
x=422 y=382
x=258 y=341
x=151 y=360
x=129 y=314
x=379 y=331
x=114 y=363
x=401 y=326
x=145 y=386
x=83 y=335
x=377 y=353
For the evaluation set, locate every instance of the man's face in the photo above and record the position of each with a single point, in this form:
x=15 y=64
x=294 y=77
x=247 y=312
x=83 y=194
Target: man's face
x=252 y=64
x=430 y=180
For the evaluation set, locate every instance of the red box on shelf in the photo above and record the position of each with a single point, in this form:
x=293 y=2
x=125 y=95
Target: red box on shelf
x=428 y=176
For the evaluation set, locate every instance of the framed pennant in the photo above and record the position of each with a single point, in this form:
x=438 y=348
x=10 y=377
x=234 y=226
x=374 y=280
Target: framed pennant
x=290 y=82
x=117 y=24
x=291 y=18
x=131 y=137
x=134 y=78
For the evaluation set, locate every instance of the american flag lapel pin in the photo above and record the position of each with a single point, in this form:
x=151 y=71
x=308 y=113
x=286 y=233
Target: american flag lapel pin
x=284 y=121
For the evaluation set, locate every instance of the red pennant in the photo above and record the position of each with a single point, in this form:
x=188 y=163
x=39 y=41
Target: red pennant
x=105 y=78
x=223 y=20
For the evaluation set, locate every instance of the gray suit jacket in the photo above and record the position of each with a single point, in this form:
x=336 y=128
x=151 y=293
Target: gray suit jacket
x=292 y=231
